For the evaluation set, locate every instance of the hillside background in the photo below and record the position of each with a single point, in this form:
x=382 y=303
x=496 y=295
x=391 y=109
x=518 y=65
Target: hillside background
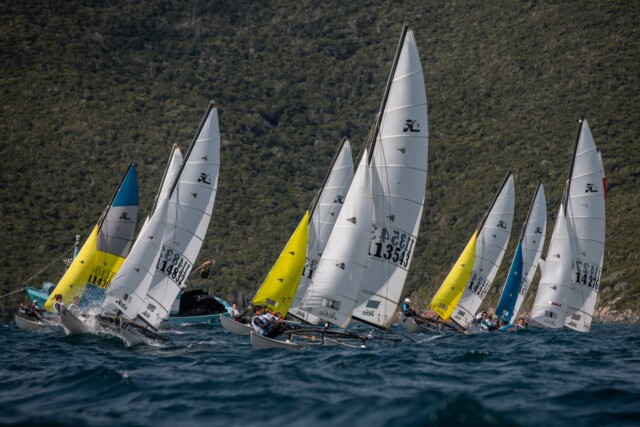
x=87 y=86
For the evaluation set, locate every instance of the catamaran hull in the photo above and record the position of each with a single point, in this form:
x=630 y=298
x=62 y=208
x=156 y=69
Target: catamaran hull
x=72 y=324
x=31 y=325
x=410 y=324
x=234 y=327
x=212 y=319
x=259 y=342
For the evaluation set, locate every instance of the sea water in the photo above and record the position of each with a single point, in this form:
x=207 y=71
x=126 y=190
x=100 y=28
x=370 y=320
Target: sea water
x=212 y=378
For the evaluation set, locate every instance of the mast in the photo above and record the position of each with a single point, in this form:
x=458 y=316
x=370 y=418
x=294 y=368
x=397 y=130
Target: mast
x=212 y=105
x=164 y=177
x=495 y=199
x=314 y=202
x=573 y=162
x=376 y=128
x=104 y=212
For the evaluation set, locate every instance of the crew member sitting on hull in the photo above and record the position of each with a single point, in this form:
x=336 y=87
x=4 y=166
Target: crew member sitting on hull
x=266 y=324
x=407 y=310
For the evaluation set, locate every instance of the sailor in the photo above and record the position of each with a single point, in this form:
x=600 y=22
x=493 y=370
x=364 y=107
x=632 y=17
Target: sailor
x=406 y=308
x=234 y=311
x=58 y=304
x=36 y=310
x=266 y=324
x=520 y=325
x=75 y=306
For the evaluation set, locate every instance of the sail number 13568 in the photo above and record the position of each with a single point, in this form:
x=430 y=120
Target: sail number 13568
x=392 y=245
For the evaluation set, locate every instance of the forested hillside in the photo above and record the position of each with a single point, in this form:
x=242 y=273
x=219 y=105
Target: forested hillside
x=87 y=86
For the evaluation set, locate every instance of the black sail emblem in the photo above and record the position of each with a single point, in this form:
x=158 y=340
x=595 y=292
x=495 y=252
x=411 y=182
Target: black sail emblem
x=591 y=188
x=502 y=224
x=411 y=126
x=204 y=178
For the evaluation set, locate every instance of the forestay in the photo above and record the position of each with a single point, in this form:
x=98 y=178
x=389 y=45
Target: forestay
x=398 y=175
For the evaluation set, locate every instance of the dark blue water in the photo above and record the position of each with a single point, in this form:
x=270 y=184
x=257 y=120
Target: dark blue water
x=210 y=377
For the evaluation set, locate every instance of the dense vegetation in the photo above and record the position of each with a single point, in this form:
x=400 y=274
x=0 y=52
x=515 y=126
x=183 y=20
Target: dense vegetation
x=87 y=86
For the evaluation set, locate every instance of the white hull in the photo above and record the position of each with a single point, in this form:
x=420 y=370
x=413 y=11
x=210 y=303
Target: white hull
x=234 y=327
x=410 y=325
x=258 y=342
x=31 y=325
x=72 y=324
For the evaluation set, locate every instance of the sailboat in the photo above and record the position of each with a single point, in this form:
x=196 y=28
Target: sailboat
x=571 y=272
x=364 y=266
x=104 y=251
x=327 y=206
x=463 y=290
x=525 y=259
x=163 y=255
x=286 y=277
x=75 y=323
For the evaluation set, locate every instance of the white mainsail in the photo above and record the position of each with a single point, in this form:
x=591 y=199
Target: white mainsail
x=191 y=203
x=491 y=244
x=332 y=293
x=398 y=174
x=324 y=216
x=576 y=288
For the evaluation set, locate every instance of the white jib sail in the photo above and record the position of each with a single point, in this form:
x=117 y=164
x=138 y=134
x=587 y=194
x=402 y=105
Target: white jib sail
x=586 y=215
x=324 y=217
x=128 y=289
x=399 y=176
x=190 y=209
x=550 y=308
x=532 y=243
x=336 y=282
x=490 y=247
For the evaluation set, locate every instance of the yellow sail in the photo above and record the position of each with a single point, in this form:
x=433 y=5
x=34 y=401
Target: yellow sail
x=74 y=280
x=280 y=285
x=448 y=296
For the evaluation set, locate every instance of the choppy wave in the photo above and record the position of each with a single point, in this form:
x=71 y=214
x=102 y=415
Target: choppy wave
x=210 y=377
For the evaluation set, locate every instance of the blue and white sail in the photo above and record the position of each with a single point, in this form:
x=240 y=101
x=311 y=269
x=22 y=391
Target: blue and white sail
x=525 y=260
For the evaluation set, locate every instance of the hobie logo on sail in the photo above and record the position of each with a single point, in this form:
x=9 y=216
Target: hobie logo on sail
x=538 y=230
x=591 y=188
x=125 y=216
x=204 y=178
x=502 y=224
x=339 y=199
x=368 y=313
x=411 y=126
